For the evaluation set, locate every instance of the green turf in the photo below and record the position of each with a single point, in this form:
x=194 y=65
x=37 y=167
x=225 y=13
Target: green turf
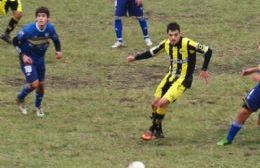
x=97 y=105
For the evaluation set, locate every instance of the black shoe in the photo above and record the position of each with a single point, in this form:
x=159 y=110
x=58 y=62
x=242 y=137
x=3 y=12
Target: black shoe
x=6 y=38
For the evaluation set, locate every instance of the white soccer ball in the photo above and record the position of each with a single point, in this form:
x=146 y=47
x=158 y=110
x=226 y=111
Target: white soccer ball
x=136 y=164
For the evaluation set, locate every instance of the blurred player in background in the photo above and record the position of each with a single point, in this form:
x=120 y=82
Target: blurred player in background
x=182 y=58
x=31 y=43
x=133 y=8
x=16 y=7
x=251 y=104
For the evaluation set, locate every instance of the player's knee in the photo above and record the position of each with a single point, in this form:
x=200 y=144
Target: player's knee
x=163 y=103
x=243 y=115
x=154 y=105
x=40 y=89
x=18 y=15
x=35 y=84
x=140 y=18
x=118 y=18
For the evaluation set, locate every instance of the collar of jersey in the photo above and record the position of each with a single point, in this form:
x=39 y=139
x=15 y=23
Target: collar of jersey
x=39 y=28
x=179 y=42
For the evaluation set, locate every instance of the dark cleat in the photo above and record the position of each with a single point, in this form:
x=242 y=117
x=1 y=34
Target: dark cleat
x=5 y=37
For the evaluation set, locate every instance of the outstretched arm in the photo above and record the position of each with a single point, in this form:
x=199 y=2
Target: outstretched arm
x=249 y=71
x=147 y=54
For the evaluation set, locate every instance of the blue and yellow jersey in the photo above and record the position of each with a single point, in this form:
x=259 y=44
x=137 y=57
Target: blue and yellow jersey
x=34 y=42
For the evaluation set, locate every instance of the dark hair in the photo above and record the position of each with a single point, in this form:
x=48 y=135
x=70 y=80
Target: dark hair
x=42 y=9
x=173 y=26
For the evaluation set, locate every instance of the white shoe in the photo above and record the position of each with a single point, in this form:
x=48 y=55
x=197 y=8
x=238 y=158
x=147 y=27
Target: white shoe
x=118 y=44
x=148 y=42
x=39 y=112
x=21 y=107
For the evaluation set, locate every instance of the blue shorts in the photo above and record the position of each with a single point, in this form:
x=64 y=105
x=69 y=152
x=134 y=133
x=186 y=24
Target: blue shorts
x=33 y=72
x=252 y=100
x=122 y=7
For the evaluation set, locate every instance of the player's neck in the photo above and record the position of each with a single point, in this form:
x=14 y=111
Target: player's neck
x=40 y=27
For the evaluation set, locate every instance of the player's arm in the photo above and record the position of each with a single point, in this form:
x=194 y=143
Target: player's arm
x=138 y=2
x=207 y=52
x=17 y=42
x=249 y=71
x=147 y=54
x=57 y=44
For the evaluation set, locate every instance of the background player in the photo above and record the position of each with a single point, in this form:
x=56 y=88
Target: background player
x=16 y=7
x=31 y=43
x=251 y=104
x=133 y=8
x=182 y=56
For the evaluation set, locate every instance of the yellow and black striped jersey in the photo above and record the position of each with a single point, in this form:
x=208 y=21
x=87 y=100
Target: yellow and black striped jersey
x=182 y=57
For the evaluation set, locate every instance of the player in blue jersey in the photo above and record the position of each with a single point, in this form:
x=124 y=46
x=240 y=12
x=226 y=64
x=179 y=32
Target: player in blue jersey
x=133 y=8
x=31 y=43
x=251 y=104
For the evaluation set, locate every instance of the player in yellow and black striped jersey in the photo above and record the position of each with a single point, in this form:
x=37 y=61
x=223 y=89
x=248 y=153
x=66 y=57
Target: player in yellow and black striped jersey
x=182 y=57
x=16 y=7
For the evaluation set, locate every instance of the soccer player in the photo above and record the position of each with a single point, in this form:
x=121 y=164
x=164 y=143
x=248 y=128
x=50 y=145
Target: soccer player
x=182 y=58
x=16 y=7
x=134 y=8
x=251 y=104
x=31 y=43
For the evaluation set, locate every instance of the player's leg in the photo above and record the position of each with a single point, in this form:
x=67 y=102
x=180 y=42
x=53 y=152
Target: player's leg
x=120 y=11
x=258 y=120
x=160 y=91
x=170 y=92
x=3 y=9
x=235 y=127
x=39 y=93
x=137 y=11
x=32 y=83
x=16 y=8
x=173 y=93
x=252 y=103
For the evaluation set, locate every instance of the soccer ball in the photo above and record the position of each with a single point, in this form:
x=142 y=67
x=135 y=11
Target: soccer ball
x=136 y=164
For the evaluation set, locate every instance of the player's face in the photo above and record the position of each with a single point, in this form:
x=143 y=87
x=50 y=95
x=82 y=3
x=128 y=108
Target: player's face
x=42 y=19
x=174 y=36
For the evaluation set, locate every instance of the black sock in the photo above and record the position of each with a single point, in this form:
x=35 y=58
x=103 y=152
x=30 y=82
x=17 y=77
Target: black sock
x=157 y=122
x=11 y=26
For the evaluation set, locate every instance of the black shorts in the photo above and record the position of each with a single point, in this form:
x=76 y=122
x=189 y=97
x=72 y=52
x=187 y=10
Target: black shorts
x=15 y=5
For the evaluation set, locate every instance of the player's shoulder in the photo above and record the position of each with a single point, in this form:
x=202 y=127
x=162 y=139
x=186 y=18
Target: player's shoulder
x=50 y=26
x=190 y=41
x=28 y=27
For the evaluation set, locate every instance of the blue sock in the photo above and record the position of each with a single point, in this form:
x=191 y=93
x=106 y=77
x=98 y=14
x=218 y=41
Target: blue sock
x=24 y=92
x=234 y=128
x=118 y=29
x=38 y=99
x=143 y=25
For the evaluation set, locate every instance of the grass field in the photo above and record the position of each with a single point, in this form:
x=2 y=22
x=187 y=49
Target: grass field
x=97 y=105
